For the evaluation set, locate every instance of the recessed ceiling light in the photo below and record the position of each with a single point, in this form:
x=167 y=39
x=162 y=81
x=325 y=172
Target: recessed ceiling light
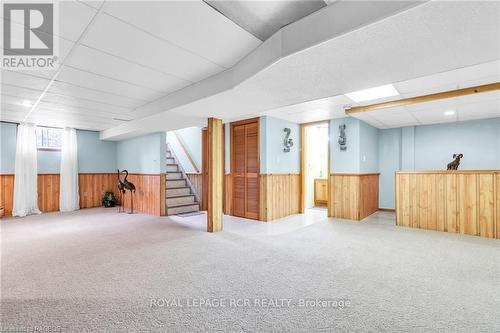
x=449 y=113
x=27 y=104
x=373 y=93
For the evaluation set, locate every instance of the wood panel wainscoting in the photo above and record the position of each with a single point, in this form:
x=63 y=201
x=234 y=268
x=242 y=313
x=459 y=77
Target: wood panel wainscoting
x=6 y=194
x=279 y=195
x=354 y=196
x=148 y=196
x=466 y=202
x=197 y=181
x=92 y=187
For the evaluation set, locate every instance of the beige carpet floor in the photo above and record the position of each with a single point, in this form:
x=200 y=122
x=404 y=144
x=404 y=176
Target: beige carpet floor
x=99 y=271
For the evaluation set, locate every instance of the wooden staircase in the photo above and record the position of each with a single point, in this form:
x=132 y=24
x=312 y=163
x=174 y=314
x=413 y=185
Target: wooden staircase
x=181 y=196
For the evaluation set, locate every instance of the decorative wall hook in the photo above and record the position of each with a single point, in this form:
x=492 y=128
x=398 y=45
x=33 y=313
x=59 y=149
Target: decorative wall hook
x=287 y=141
x=342 y=138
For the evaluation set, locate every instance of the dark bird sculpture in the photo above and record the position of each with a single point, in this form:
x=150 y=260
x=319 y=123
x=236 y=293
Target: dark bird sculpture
x=131 y=187
x=455 y=163
x=121 y=189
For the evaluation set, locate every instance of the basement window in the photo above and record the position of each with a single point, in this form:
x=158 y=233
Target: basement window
x=48 y=138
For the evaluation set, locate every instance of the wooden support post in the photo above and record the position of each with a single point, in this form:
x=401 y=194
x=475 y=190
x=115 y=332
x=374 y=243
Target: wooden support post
x=163 y=194
x=215 y=175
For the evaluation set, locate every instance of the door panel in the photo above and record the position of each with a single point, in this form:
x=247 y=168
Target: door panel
x=245 y=169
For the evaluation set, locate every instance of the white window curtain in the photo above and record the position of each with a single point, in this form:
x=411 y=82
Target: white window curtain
x=26 y=172
x=69 y=199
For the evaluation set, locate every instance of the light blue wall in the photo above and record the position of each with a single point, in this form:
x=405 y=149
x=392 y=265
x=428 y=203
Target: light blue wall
x=8 y=133
x=348 y=160
x=361 y=155
x=431 y=147
x=408 y=148
x=272 y=157
x=477 y=140
x=94 y=155
x=145 y=154
x=389 y=147
x=368 y=148
x=191 y=137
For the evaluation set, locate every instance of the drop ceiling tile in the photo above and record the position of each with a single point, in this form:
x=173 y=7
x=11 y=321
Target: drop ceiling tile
x=21 y=79
x=62 y=108
x=393 y=116
x=476 y=98
x=93 y=95
x=13 y=116
x=434 y=116
x=73 y=19
x=442 y=104
x=84 y=104
x=479 y=110
x=104 y=64
x=56 y=120
x=192 y=25
x=118 y=38
x=93 y=4
x=90 y=80
x=16 y=101
x=478 y=71
x=367 y=118
x=21 y=92
x=429 y=83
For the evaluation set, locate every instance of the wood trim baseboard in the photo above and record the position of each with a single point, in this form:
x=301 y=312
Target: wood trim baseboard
x=393 y=210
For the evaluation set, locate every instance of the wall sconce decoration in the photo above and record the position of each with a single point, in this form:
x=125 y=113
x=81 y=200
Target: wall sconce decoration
x=342 y=138
x=287 y=141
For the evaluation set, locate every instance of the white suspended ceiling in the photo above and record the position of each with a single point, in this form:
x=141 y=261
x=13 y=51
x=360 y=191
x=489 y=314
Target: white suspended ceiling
x=478 y=106
x=133 y=53
x=153 y=66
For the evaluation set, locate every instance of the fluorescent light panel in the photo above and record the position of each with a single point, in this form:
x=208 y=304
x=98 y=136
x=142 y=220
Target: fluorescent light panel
x=373 y=93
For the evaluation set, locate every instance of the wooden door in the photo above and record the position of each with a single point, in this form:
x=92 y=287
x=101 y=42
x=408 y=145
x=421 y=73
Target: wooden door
x=245 y=169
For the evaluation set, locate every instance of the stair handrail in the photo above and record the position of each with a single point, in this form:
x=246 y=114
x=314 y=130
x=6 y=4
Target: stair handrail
x=184 y=174
x=186 y=151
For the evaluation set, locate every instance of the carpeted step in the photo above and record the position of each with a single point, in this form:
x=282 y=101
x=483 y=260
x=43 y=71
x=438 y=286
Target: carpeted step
x=172 y=168
x=182 y=190
x=187 y=208
x=174 y=175
x=175 y=183
x=180 y=200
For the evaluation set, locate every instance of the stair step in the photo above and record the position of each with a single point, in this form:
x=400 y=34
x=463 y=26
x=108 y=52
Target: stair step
x=183 y=190
x=172 y=168
x=187 y=208
x=174 y=201
x=175 y=183
x=170 y=160
x=174 y=175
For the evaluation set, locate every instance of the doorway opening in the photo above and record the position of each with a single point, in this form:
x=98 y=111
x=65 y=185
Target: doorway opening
x=315 y=167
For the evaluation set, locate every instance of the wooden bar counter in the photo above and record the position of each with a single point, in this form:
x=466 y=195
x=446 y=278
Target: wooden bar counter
x=466 y=202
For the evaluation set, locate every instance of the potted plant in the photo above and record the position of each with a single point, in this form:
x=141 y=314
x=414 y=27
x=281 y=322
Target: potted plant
x=109 y=199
